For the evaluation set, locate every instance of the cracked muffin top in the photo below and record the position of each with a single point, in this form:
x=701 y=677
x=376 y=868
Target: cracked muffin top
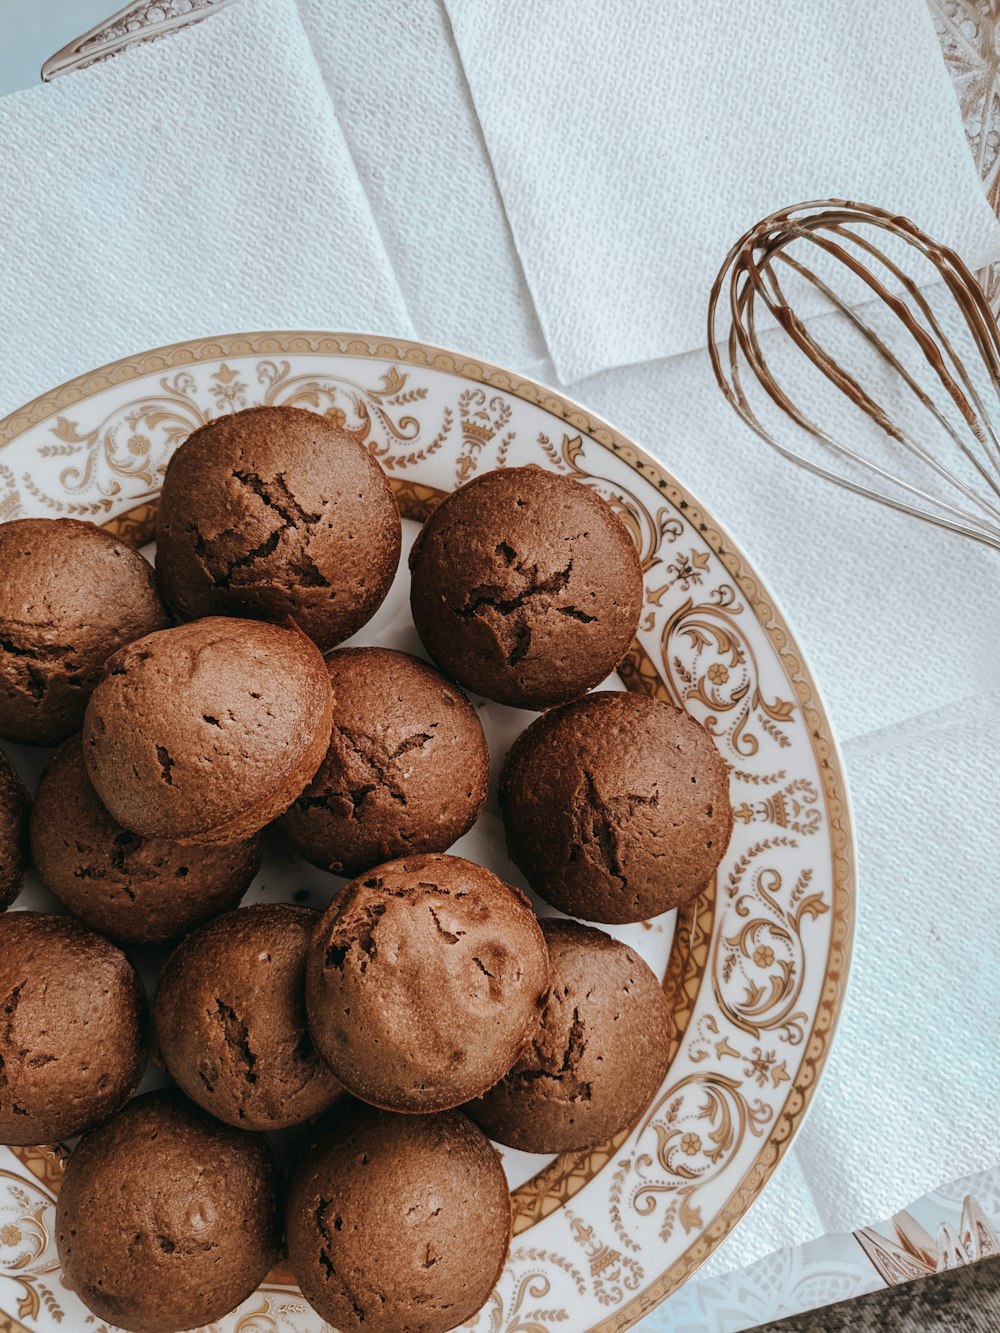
x=167 y=1219
x=230 y=1019
x=72 y=1047
x=398 y=1222
x=206 y=732
x=407 y=769
x=598 y=1057
x=14 y=806
x=526 y=587
x=275 y=512
x=616 y=807
x=135 y=890
x=425 y=981
x=70 y=595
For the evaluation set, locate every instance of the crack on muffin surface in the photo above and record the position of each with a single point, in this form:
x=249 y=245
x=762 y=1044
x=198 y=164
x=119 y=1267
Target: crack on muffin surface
x=596 y=829
x=237 y=1038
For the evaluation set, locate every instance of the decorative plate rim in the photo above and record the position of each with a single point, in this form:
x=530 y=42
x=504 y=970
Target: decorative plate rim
x=822 y=739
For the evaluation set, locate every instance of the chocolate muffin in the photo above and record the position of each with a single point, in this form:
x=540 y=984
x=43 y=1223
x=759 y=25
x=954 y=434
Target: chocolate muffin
x=230 y=1019
x=206 y=732
x=70 y=595
x=526 y=587
x=71 y=1028
x=14 y=806
x=598 y=1057
x=398 y=1222
x=276 y=512
x=135 y=890
x=425 y=981
x=167 y=1219
x=616 y=807
x=407 y=769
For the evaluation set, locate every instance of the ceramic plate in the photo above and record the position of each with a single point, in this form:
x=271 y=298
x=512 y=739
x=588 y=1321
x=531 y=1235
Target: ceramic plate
x=755 y=968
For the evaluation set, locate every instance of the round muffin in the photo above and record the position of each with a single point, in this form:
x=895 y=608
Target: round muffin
x=616 y=807
x=598 y=1057
x=398 y=1222
x=204 y=733
x=135 y=890
x=72 y=1045
x=425 y=981
x=525 y=587
x=277 y=512
x=70 y=595
x=230 y=1019
x=167 y=1219
x=407 y=769
x=14 y=806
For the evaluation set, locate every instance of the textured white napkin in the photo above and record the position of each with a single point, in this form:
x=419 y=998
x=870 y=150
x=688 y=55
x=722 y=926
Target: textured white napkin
x=197 y=185
x=397 y=87
x=633 y=146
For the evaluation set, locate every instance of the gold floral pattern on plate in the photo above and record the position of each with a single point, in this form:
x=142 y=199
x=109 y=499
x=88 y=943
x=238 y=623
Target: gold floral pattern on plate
x=757 y=965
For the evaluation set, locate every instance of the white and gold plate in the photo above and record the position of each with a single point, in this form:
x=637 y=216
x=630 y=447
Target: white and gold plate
x=756 y=967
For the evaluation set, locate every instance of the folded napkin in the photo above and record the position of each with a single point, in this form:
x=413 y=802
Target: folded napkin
x=196 y=185
x=399 y=94
x=632 y=149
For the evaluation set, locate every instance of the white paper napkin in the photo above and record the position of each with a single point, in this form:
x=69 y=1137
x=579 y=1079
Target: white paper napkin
x=397 y=88
x=633 y=146
x=197 y=185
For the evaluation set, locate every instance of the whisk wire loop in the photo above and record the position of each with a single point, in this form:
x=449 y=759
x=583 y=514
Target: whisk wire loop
x=837 y=234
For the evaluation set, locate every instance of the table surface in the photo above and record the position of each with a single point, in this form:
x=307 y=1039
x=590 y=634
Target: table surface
x=966 y=1299
x=33 y=32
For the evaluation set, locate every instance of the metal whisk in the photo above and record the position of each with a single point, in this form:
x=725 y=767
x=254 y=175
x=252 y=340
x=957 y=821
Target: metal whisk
x=924 y=363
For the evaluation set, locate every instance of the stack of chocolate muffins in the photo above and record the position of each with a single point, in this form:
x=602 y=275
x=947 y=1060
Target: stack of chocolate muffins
x=427 y=1010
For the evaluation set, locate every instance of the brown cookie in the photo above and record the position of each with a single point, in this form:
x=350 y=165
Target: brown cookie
x=616 y=807
x=70 y=595
x=425 y=981
x=526 y=587
x=72 y=1047
x=166 y=1218
x=206 y=732
x=230 y=1019
x=277 y=512
x=407 y=769
x=135 y=890
x=14 y=807
x=398 y=1222
x=599 y=1055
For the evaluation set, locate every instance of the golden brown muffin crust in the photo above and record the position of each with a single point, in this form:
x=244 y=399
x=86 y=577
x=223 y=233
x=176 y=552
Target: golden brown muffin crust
x=206 y=732
x=230 y=1019
x=70 y=595
x=166 y=1218
x=407 y=770
x=277 y=512
x=398 y=1222
x=616 y=807
x=72 y=1045
x=14 y=807
x=135 y=890
x=525 y=587
x=599 y=1054
x=425 y=980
